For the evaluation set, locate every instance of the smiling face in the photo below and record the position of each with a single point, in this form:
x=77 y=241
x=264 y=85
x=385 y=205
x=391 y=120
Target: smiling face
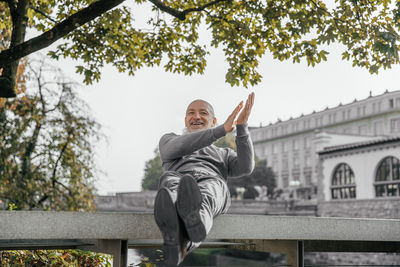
x=199 y=116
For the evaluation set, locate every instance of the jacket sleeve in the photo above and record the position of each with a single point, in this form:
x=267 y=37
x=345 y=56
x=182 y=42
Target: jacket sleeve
x=242 y=162
x=173 y=146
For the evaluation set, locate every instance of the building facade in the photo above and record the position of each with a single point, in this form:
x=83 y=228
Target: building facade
x=290 y=146
x=363 y=170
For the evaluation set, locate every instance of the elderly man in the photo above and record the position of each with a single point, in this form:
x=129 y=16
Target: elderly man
x=193 y=189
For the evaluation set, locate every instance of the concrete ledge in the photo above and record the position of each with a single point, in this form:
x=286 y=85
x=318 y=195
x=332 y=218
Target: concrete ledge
x=112 y=232
x=135 y=226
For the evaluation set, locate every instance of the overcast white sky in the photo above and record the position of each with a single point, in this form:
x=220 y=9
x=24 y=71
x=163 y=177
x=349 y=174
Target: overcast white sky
x=137 y=111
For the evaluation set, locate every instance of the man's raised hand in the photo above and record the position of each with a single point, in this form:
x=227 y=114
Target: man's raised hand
x=230 y=123
x=244 y=115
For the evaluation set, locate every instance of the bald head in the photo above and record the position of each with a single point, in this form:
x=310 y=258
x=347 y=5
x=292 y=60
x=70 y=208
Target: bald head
x=209 y=106
x=199 y=116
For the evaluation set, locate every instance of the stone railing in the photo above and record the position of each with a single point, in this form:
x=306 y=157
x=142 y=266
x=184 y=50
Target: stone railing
x=113 y=233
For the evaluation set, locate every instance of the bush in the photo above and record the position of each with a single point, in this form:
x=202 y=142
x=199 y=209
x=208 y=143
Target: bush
x=67 y=258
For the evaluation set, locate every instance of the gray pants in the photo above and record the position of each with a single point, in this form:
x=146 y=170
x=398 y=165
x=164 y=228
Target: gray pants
x=215 y=193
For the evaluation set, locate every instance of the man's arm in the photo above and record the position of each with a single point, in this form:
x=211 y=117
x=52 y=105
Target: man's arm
x=174 y=146
x=242 y=162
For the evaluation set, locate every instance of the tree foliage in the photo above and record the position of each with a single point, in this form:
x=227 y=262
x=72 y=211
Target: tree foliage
x=152 y=172
x=226 y=141
x=261 y=176
x=41 y=258
x=98 y=33
x=46 y=144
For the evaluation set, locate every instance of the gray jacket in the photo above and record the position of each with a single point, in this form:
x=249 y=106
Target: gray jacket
x=195 y=152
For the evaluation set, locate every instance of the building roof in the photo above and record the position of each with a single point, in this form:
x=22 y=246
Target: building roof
x=339 y=148
x=327 y=109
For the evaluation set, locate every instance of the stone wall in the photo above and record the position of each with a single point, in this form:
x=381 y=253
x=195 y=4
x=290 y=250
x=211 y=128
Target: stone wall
x=383 y=208
x=130 y=202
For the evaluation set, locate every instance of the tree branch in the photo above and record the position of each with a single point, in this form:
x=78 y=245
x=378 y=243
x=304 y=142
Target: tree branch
x=41 y=13
x=53 y=177
x=176 y=13
x=181 y=15
x=63 y=185
x=201 y=8
x=58 y=31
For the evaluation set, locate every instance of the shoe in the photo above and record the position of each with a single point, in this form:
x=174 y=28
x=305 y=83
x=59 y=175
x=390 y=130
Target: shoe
x=188 y=206
x=168 y=222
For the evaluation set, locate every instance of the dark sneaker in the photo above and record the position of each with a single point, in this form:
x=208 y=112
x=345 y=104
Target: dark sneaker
x=167 y=220
x=188 y=206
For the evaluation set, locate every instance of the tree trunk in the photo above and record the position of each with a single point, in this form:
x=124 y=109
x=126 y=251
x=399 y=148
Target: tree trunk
x=20 y=20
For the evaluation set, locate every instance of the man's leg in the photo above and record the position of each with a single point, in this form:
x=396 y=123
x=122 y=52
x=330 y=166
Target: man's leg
x=215 y=200
x=167 y=219
x=188 y=205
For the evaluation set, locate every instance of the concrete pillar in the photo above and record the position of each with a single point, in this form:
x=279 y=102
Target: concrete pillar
x=116 y=247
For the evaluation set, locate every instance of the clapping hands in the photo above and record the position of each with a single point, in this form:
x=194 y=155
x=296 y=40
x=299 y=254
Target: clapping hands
x=230 y=123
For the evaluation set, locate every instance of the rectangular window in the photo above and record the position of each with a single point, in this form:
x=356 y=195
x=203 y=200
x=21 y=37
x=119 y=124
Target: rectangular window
x=274 y=148
x=343 y=115
x=307 y=161
x=363 y=129
x=268 y=134
x=296 y=163
x=285 y=164
x=391 y=103
x=275 y=166
x=285 y=180
x=347 y=131
x=373 y=107
x=284 y=130
x=378 y=128
x=316 y=122
x=295 y=144
x=294 y=127
x=306 y=124
x=259 y=151
x=307 y=143
x=265 y=150
x=398 y=102
x=308 y=179
x=395 y=126
x=360 y=111
x=284 y=147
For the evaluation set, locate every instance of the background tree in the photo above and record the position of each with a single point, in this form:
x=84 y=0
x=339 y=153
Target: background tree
x=98 y=33
x=261 y=176
x=46 y=144
x=152 y=172
x=226 y=141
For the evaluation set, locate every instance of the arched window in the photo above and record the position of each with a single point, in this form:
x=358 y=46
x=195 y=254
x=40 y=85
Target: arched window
x=387 y=178
x=343 y=182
